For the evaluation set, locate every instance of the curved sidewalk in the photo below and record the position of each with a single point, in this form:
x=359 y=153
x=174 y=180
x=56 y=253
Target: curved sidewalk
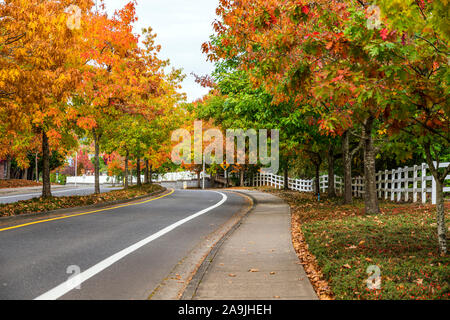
x=257 y=261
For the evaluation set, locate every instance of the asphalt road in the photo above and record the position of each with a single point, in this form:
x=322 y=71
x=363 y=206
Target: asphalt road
x=122 y=253
x=15 y=196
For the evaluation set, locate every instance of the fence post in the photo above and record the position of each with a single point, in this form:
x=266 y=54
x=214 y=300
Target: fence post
x=379 y=182
x=424 y=183
x=399 y=184
x=415 y=183
x=406 y=183
x=393 y=184
x=433 y=187
x=386 y=183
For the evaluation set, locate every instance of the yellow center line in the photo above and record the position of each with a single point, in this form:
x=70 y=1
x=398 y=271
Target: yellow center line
x=85 y=213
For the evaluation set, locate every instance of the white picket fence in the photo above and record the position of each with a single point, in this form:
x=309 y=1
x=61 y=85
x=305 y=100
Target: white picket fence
x=402 y=184
x=295 y=184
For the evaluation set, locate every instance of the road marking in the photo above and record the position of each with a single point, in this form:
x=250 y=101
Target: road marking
x=85 y=213
x=70 y=284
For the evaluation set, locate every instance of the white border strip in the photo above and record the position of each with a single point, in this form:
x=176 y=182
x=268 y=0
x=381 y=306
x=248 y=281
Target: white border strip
x=72 y=283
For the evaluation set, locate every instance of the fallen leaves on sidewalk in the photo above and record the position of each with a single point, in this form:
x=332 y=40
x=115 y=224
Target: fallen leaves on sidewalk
x=253 y=270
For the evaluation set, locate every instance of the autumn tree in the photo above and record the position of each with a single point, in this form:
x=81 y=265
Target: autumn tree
x=43 y=68
x=412 y=45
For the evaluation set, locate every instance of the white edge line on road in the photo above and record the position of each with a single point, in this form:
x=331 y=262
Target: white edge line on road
x=72 y=283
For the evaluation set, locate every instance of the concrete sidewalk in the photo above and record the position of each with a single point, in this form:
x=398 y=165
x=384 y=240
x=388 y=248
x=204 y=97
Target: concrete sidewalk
x=257 y=260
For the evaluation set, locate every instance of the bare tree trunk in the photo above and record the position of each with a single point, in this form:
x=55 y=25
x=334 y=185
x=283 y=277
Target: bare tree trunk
x=347 y=160
x=96 y=162
x=370 y=192
x=198 y=179
x=331 y=186
x=25 y=174
x=146 y=172
x=242 y=172
x=126 y=170
x=46 y=185
x=138 y=169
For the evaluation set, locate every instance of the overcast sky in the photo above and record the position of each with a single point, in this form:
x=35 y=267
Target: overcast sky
x=182 y=26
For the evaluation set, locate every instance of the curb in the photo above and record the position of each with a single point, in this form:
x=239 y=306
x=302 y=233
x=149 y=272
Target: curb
x=46 y=214
x=191 y=289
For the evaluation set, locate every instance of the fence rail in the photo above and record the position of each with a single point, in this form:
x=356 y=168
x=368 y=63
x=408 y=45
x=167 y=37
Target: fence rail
x=402 y=184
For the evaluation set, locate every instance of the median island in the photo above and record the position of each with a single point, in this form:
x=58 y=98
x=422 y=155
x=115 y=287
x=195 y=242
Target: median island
x=37 y=205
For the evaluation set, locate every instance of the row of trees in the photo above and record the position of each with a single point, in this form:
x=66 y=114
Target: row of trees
x=71 y=73
x=337 y=77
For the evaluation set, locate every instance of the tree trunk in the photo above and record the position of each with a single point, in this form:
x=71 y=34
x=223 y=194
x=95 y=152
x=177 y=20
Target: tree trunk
x=242 y=172
x=25 y=174
x=347 y=160
x=126 y=170
x=370 y=192
x=138 y=171
x=151 y=174
x=286 y=177
x=46 y=185
x=198 y=179
x=440 y=217
x=96 y=163
x=331 y=186
x=37 y=168
x=317 y=184
x=146 y=172
x=8 y=168
x=440 y=208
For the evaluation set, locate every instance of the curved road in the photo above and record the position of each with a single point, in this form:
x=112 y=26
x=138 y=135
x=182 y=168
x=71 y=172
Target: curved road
x=122 y=253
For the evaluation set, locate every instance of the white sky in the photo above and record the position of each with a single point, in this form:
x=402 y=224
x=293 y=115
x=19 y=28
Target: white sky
x=182 y=26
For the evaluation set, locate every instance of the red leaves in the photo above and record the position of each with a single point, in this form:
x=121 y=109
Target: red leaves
x=305 y=9
x=384 y=33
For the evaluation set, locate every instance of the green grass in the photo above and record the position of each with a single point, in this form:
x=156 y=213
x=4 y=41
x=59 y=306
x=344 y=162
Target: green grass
x=401 y=241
